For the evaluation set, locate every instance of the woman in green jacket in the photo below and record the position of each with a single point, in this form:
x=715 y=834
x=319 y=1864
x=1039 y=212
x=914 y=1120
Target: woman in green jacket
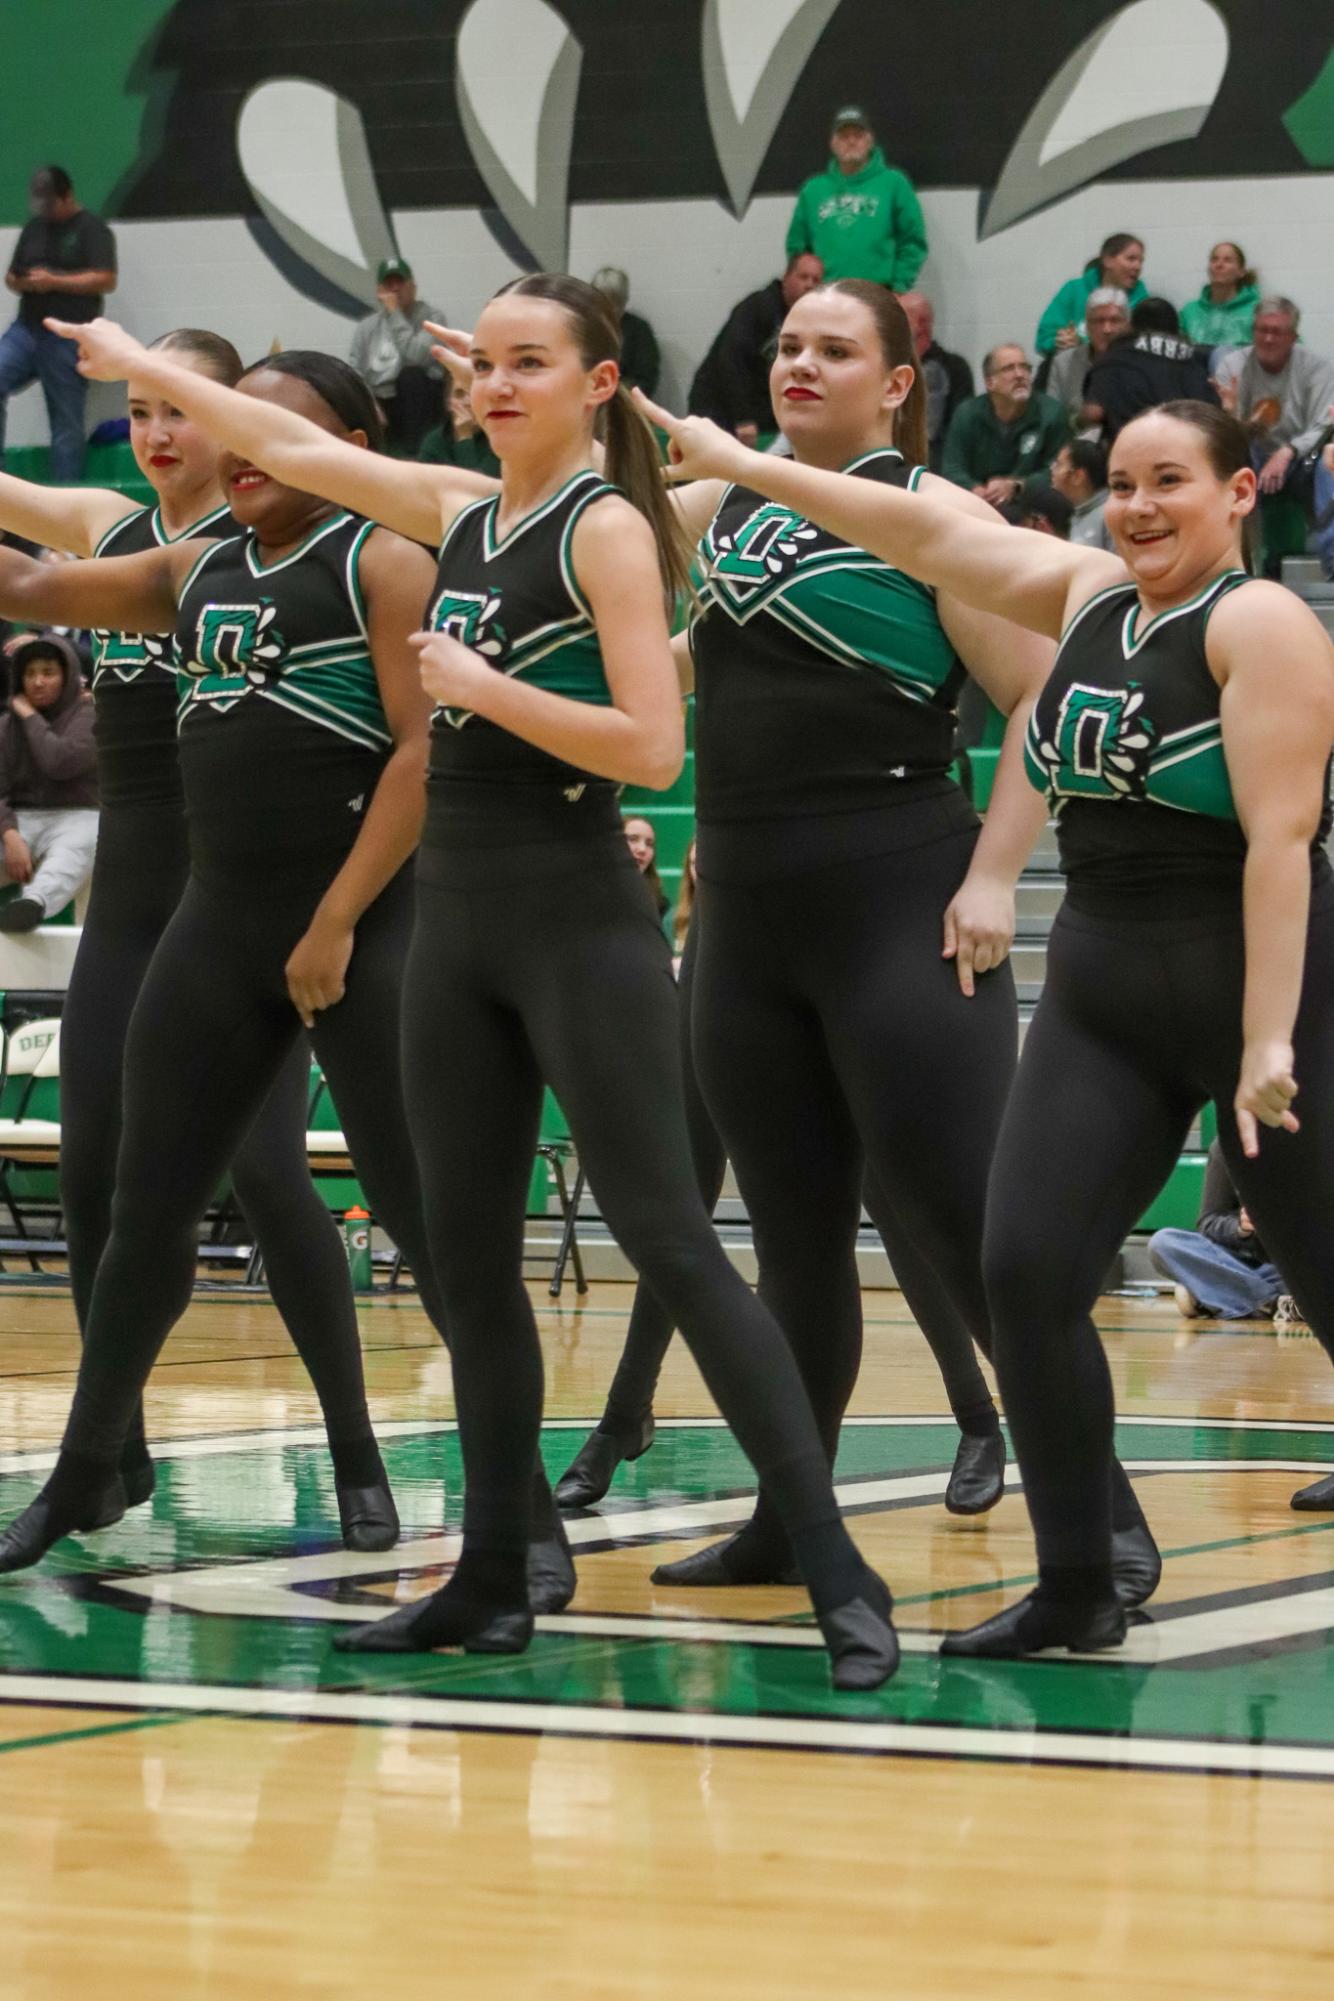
x=1119 y=263
x=1224 y=313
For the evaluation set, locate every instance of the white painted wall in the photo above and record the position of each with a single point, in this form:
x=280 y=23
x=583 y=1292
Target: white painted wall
x=690 y=261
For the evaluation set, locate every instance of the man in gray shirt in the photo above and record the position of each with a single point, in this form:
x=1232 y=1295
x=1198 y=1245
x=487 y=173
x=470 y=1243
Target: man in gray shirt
x=391 y=351
x=1279 y=389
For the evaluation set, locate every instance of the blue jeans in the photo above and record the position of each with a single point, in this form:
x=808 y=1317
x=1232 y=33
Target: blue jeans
x=1223 y=1284
x=1324 y=500
x=31 y=354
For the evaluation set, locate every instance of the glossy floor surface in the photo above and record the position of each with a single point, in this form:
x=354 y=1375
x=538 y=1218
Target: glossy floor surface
x=663 y=1797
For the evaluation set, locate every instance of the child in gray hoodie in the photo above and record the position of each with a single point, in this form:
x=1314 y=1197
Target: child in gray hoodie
x=48 y=780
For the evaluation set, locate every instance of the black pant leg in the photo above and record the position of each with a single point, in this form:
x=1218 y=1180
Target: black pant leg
x=474 y=1097
x=360 y=1046
x=649 y=1334
x=1097 y=1117
x=304 y=1259
x=207 y=1038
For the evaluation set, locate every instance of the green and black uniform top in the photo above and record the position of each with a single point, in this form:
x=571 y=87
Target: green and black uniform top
x=282 y=732
x=134 y=680
x=1126 y=741
x=516 y=601
x=824 y=679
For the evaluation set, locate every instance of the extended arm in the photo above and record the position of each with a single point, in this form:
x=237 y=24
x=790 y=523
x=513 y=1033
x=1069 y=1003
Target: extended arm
x=639 y=739
x=1276 y=667
x=126 y=593
x=417 y=501
x=396 y=580
x=60 y=517
x=1033 y=579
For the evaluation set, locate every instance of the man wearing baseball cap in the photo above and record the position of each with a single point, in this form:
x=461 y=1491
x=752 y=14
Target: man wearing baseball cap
x=860 y=217
x=391 y=351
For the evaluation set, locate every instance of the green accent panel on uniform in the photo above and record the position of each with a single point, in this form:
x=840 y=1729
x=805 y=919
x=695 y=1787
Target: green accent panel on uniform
x=74 y=97
x=1310 y=121
x=1198 y=784
x=1178 y=1204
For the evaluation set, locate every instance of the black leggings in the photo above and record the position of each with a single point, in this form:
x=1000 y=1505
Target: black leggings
x=1138 y=1027
x=649 y=1333
x=212 y=1032
x=546 y=963
x=138 y=879
x=835 y=1049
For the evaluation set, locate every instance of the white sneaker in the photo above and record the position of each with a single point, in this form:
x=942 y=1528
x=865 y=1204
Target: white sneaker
x=1287 y=1313
x=1188 y=1306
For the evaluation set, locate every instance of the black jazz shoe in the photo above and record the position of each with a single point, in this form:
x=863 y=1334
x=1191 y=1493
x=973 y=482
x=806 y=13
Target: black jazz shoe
x=1136 y=1565
x=740 y=1559
x=1316 y=1498
x=551 y=1579
x=421 y=1628
x=863 y=1646
x=40 y=1527
x=978 y=1479
x=1035 y=1624
x=368 y=1517
x=589 y=1474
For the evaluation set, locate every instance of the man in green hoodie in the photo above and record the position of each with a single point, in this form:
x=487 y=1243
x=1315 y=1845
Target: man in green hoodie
x=860 y=217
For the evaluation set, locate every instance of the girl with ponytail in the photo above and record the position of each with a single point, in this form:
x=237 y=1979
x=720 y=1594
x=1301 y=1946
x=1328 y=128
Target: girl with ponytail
x=852 y=1013
x=537 y=957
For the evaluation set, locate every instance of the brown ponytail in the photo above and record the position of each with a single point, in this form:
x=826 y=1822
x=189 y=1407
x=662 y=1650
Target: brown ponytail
x=634 y=463
x=899 y=350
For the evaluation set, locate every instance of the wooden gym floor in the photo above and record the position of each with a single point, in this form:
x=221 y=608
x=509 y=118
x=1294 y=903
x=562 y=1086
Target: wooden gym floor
x=663 y=1799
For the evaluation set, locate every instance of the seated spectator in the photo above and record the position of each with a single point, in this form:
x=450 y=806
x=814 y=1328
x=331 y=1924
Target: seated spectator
x=1004 y=440
x=949 y=379
x=459 y=440
x=1117 y=265
x=48 y=780
x=63 y=264
x=861 y=216
x=1219 y=1268
x=1324 y=509
x=1224 y=313
x=642 y=838
x=1107 y=317
x=731 y=384
x=641 y=361
x=1149 y=365
x=391 y=352
x=1079 y=471
x=1047 y=512
x=1280 y=391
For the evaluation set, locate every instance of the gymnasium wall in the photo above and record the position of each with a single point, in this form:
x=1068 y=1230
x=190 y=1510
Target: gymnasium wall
x=258 y=157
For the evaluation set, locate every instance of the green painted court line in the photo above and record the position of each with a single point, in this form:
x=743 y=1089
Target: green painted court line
x=94 y=1730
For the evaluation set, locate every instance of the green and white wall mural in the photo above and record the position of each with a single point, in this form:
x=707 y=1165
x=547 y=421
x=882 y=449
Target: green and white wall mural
x=258 y=159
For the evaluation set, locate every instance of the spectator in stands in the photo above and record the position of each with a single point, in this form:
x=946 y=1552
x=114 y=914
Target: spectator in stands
x=1148 y=365
x=1224 y=313
x=948 y=378
x=642 y=839
x=1004 y=440
x=1280 y=391
x=731 y=384
x=861 y=216
x=48 y=780
x=1079 y=471
x=1107 y=317
x=391 y=352
x=1046 y=511
x=63 y=264
x=1219 y=1268
x=459 y=439
x=1117 y=265
x=641 y=360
